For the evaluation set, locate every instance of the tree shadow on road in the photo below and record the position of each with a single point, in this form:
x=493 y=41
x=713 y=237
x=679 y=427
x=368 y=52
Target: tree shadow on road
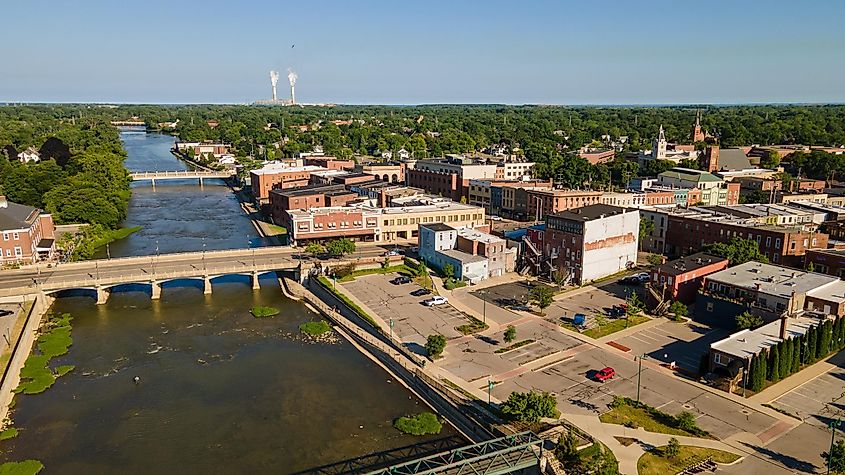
x=788 y=461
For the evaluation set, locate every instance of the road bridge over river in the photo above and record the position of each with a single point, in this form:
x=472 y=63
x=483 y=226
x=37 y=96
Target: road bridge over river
x=180 y=175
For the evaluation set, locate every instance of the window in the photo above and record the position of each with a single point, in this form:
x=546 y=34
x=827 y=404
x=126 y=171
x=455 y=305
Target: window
x=5 y=236
x=17 y=236
x=768 y=241
x=18 y=251
x=777 y=243
x=721 y=359
x=709 y=306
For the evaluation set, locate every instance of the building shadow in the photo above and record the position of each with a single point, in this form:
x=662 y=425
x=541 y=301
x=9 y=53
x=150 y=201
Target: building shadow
x=788 y=461
x=416 y=348
x=386 y=458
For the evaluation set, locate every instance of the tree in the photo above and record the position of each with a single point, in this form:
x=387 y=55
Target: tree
x=315 y=249
x=774 y=365
x=673 y=448
x=559 y=278
x=746 y=320
x=340 y=247
x=448 y=271
x=542 y=296
x=530 y=407
x=835 y=459
x=635 y=305
x=567 y=446
x=655 y=259
x=812 y=336
x=510 y=334
x=646 y=228
x=811 y=267
x=686 y=421
x=771 y=160
x=757 y=376
x=435 y=344
x=679 y=309
x=825 y=340
x=795 y=366
x=785 y=358
x=737 y=251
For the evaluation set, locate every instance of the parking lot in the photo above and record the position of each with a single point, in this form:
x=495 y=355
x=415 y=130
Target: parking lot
x=412 y=321
x=819 y=401
x=679 y=342
x=570 y=381
x=8 y=315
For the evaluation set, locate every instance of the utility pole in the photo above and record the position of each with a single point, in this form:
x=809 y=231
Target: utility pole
x=833 y=425
x=639 y=377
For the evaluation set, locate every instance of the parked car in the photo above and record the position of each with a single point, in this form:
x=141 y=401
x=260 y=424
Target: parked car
x=391 y=253
x=630 y=280
x=605 y=374
x=436 y=300
x=401 y=280
x=642 y=277
x=420 y=292
x=495 y=218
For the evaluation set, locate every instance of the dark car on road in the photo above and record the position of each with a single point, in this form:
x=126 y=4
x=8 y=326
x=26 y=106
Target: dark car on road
x=420 y=292
x=401 y=280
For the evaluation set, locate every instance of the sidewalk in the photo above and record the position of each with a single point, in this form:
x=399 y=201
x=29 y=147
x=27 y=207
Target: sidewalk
x=628 y=456
x=799 y=379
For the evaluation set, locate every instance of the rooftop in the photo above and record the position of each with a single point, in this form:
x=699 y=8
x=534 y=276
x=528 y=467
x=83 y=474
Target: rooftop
x=772 y=280
x=475 y=235
x=589 y=213
x=277 y=168
x=690 y=175
x=689 y=263
x=462 y=257
x=308 y=190
x=834 y=292
x=733 y=159
x=16 y=216
x=438 y=227
x=747 y=343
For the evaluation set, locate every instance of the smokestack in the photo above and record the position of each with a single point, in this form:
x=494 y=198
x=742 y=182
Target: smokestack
x=292 y=80
x=783 y=327
x=274 y=78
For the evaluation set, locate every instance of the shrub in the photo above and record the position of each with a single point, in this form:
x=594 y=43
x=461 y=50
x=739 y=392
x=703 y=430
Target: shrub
x=422 y=424
x=747 y=320
x=315 y=328
x=686 y=421
x=510 y=334
x=343 y=270
x=679 y=309
x=530 y=407
x=263 y=312
x=435 y=344
x=673 y=448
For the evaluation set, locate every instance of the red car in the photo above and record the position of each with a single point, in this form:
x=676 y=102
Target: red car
x=605 y=374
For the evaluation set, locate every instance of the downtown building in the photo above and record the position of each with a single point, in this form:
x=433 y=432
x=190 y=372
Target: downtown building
x=473 y=254
x=450 y=177
x=28 y=234
x=583 y=244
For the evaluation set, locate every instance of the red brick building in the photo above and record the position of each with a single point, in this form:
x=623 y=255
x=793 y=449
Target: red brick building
x=283 y=177
x=330 y=163
x=826 y=261
x=680 y=279
x=448 y=185
x=306 y=198
x=319 y=224
x=26 y=234
x=547 y=202
x=782 y=245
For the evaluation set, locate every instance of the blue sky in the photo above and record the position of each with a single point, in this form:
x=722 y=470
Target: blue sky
x=402 y=52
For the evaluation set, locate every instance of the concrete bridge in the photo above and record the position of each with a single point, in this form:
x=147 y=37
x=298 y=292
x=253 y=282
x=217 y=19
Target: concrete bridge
x=101 y=275
x=180 y=175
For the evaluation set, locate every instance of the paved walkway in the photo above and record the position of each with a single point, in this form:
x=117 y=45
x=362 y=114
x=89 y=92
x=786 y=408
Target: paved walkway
x=796 y=380
x=628 y=456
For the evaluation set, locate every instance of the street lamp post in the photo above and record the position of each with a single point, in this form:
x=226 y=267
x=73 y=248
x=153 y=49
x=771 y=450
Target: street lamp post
x=489 y=390
x=390 y=324
x=639 y=377
x=203 y=254
x=833 y=425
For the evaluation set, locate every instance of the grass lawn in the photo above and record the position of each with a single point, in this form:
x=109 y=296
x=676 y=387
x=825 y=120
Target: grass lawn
x=113 y=235
x=328 y=285
x=276 y=230
x=639 y=416
x=654 y=463
x=401 y=268
x=614 y=326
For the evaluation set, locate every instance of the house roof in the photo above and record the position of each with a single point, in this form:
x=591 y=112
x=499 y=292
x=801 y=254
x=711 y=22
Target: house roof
x=733 y=159
x=16 y=216
x=689 y=174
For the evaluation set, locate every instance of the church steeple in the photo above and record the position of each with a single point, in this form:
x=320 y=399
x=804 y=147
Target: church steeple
x=658 y=149
x=697 y=135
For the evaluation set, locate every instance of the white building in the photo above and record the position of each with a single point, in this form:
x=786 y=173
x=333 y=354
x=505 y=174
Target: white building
x=29 y=155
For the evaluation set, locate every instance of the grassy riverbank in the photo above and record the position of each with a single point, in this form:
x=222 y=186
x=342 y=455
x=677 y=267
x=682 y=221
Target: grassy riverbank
x=55 y=339
x=96 y=236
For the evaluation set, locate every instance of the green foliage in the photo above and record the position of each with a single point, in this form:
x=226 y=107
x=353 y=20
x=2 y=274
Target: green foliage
x=475 y=325
x=673 y=448
x=737 y=251
x=646 y=228
x=516 y=345
x=530 y=407
x=95 y=236
x=435 y=344
x=747 y=320
x=774 y=365
x=343 y=270
x=655 y=259
x=349 y=303
x=686 y=421
x=27 y=467
x=635 y=305
x=679 y=309
x=451 y=284
x=314 y=249
x=8 y=433
x=315 y=328
x=542 y=296
x=567 y=446
x=36 y=376
x=262 y=312
x=835 y=459
x=624 y=410
x=448 y=271
x=340 y=247
x=424 y=423
x=510 y=334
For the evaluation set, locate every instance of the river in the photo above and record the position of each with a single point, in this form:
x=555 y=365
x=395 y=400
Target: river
x=219 y=391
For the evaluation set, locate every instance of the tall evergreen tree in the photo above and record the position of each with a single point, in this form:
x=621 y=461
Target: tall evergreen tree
x=823 y=342
x=774 y=370
x=764 y=367
x=757 y=377
x=811 y=346
x=841 y=333
x=796 y=356
x=785 y=358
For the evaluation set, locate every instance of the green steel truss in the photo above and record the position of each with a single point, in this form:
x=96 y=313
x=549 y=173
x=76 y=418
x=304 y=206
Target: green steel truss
x=493 y=457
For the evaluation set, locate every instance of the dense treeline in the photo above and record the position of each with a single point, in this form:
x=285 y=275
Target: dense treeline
x=80 y=179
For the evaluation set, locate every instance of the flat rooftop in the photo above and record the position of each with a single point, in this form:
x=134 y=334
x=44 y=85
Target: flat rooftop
x=437 y=227
x=589 y=213
x=308 y=190
x=475 y=235
x=276 y=169
x=461 y=256
x=689 y=263
x=747 y=343
x=773 y=280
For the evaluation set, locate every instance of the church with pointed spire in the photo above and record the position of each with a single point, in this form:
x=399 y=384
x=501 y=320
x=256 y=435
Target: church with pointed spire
x=697 y=134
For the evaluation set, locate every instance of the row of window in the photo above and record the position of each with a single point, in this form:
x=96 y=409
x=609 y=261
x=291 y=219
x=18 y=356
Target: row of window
x=13 y=236
x=18 y=252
